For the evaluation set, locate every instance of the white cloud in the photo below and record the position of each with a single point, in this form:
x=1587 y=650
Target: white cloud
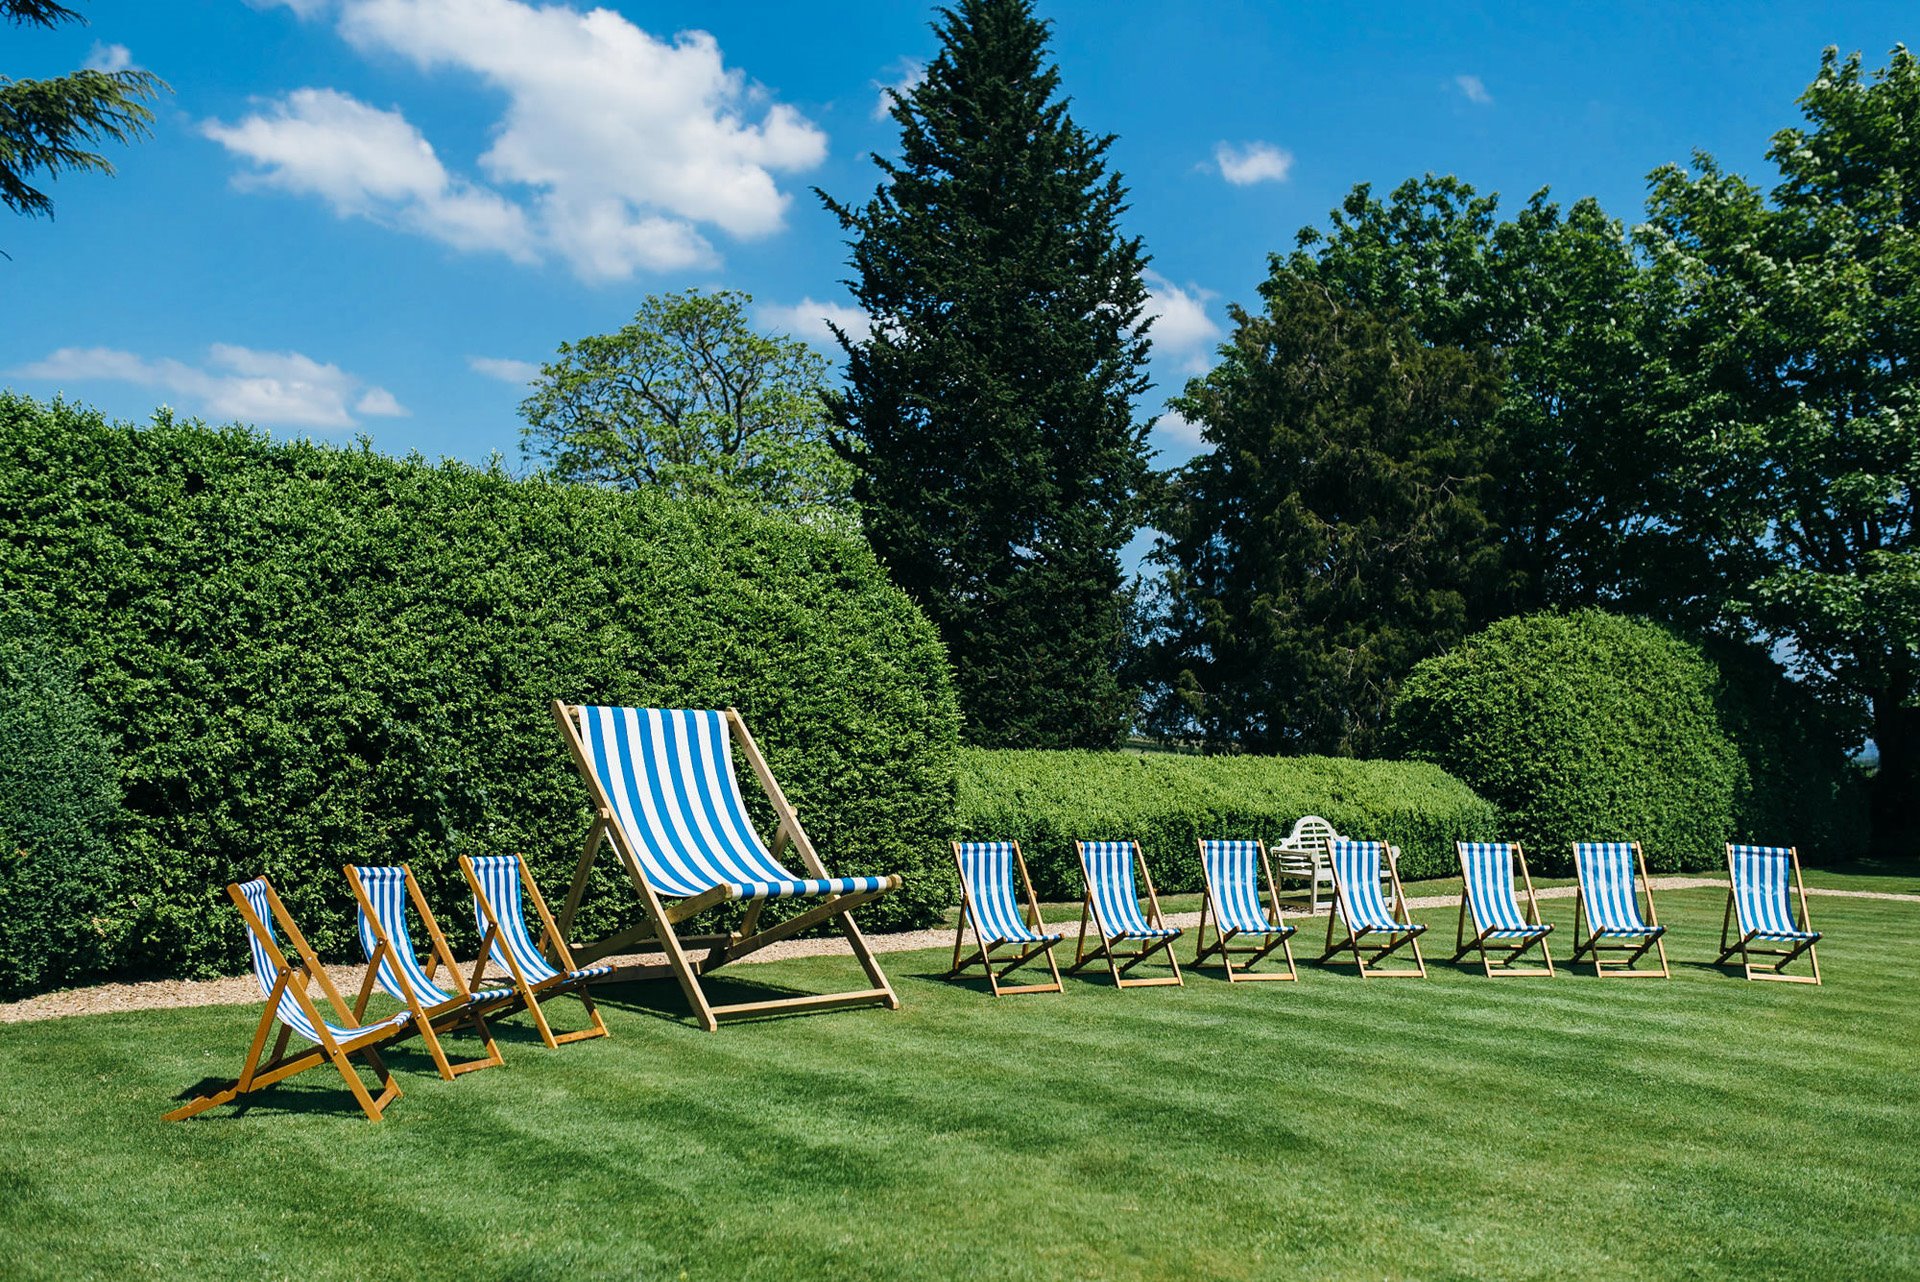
x=615 y=148
x=1181 y=326
x=1254 y=162
x=1474 y=89
x=808 y=320
x=912 y=72
x=109 y=58
x=1180 y=429
x=281 y=389
x=370 y=163
x=519 y=373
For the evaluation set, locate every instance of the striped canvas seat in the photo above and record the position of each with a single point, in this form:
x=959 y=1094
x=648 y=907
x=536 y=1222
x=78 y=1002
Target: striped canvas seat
x=289 y=990
x=1606 y=872
x=1503 y=931
x=1232 y=872
x=1358 y=867
x=1488 y=869
x=1110 y=880
x=386 y=890
x=1761 y=877
x=986 y=874
x=1610 y=895
x=289 y=1011
x=1112 y=908
x=499 y=876
x=668 y=775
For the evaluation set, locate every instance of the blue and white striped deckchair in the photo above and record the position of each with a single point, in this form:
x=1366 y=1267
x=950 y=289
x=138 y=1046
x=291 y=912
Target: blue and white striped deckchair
x=504 y=942
x=1113 y=904
x=1499 y=925
x=1374 y=931
x=988 y=904
x=1233 y=873
x=291 y=1005
x=1759 y=900
x=1609 y=910
x=667 y=799
x=383 y=894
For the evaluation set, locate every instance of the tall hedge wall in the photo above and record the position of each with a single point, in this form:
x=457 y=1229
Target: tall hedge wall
x=1045 y=800
x=313 y=655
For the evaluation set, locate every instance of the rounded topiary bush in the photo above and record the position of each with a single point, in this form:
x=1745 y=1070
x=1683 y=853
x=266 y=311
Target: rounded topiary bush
x=312 y=656
x=1581 y=727
x=61 y=881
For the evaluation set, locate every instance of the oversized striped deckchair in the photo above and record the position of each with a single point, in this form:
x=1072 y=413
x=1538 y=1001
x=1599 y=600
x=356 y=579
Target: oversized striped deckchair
x=667 y=800
x=383 y=893
x=1758 y=900
x=988 y=905
x=291 y=1005
x=1234 y=872
x=1609 y=910
x=1500 y=928
x=496 y=881
x=1114 y=906
x=1374 y=932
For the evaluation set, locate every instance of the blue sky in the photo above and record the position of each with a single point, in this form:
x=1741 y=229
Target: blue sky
x=373 y=216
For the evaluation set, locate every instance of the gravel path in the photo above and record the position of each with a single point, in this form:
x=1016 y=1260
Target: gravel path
x=241 y=990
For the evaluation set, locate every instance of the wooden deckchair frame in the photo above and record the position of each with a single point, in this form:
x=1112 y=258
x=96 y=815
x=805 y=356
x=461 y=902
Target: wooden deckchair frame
x=1509 y=951
x=257 y=1076
x=1223 y=943
x=1598 y=952
x=982 y=955
x=530 y=994
x=444 y=1017
x=1744 y=944
x=658 y=928
x=1369 y=962
x=1120 y=963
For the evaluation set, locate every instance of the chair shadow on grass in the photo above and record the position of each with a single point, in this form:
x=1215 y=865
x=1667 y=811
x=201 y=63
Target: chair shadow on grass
x=664 y=999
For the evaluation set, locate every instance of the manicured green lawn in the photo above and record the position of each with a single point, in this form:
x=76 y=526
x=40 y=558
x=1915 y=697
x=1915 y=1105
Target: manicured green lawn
x=1452 y=1128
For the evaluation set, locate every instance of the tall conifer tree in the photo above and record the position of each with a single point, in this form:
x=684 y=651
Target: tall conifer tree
x=991 y=408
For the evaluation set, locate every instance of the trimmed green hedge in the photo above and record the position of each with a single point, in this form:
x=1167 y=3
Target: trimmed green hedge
x=1047 y=800
x=1582 y=727
x=313 y=655
x=64 y=863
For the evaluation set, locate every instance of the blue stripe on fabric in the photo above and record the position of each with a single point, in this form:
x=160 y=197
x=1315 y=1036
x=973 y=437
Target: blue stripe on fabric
x=1762 y=889
x=1607 y=880
x=986 y=874
x=1358 y=867
x=1233 y=876
x=1110 y=876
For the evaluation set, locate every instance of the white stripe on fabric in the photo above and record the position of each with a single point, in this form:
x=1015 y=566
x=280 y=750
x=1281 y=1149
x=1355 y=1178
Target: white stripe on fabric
x=1233 y=876
x=1110 y=876
x=289 y=1012
x=669 y=776
x=1762 y=888
x=1492 y=895
x=986 y=874
x=1606 y=872
x=1358 y=867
